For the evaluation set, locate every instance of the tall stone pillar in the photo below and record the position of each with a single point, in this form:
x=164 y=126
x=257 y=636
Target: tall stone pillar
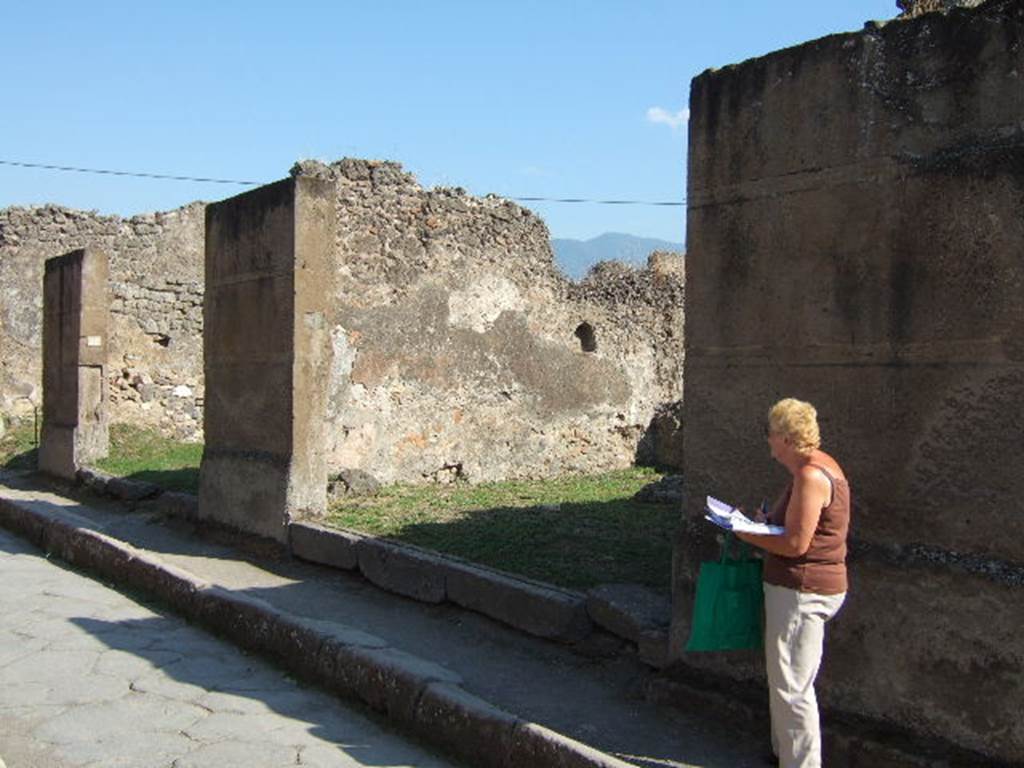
x=855 y=239
x=267 y=355
x=76 y=315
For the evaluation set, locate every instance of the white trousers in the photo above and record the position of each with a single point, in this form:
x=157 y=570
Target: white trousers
x=794 y=639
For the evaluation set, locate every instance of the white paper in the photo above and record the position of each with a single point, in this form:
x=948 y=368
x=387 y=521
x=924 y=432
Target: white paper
x=731 y=519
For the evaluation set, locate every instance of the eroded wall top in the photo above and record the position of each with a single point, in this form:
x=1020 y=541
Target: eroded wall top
x=461 y=349
x=912 y=8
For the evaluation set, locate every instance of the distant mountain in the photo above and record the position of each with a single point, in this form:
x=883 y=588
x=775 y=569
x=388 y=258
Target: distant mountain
x=575 y=257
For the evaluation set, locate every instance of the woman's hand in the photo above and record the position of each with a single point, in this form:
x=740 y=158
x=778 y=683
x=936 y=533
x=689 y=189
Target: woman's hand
x=810 y=493
x=761 y=516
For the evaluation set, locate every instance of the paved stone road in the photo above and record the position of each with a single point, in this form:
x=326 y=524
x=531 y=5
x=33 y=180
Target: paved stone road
x=89 y=677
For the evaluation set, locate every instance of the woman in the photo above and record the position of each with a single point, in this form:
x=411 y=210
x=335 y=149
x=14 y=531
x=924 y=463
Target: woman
x=804 y=575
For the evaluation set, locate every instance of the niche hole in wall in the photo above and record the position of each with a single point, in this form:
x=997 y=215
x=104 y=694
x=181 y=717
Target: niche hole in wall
x=588 y=340
x=161 y=339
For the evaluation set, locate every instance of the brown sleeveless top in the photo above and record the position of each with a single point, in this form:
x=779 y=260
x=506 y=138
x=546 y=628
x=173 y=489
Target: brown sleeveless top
x=822 y=568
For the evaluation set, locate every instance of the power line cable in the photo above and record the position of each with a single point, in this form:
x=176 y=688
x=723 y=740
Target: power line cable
x=598 y=202
x=135 y=174
x=164 y=176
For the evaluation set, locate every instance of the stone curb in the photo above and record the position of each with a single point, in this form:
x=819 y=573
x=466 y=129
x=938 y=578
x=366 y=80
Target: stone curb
x=537 y=609
x=183 y=506
x=423 y=698
x=119 y=488
x=540 y=611
x=402 y=570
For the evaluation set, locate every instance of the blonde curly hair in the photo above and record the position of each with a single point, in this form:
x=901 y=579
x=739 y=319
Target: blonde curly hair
x=798 y=421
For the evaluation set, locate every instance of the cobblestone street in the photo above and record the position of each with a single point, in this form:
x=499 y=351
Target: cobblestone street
x=90 y=677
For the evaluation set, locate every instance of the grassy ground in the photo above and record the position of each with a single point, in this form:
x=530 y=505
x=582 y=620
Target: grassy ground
x=18 y=447
x=145 y=455
x=136 y=453
x=574 y=531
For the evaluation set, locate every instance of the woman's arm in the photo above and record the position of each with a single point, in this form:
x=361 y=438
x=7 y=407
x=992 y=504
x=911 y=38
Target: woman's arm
x=811 y=491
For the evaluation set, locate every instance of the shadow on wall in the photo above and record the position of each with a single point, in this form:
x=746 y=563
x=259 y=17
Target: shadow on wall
x=661 y=444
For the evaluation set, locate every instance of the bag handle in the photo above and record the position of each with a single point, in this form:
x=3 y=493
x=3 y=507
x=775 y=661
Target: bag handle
x=744 y=548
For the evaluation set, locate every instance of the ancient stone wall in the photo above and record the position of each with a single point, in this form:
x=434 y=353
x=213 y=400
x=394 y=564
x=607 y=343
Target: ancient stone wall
x=461 y=350
x=156 y=293
x=856 y=240
x=912 y=8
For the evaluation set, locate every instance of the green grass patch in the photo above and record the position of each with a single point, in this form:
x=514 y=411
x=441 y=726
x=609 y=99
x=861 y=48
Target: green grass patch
x=18 y=448
x=575 y=531
x=142 y=454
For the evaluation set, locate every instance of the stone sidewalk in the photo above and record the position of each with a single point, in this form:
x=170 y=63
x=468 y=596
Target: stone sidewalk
x=469 y=685
x=91 y=677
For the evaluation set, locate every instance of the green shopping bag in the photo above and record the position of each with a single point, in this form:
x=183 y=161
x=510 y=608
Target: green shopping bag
x=729 y=607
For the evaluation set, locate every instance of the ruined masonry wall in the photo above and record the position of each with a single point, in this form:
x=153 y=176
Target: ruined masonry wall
x=913 y=8
x=456 y=343
x=156 y=309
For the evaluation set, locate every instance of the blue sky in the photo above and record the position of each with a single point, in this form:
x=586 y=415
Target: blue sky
x=548 y=99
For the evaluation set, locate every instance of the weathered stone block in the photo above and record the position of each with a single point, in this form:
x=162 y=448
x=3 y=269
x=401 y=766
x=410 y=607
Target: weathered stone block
x=131 y=490
x=533 y=744
x=174 y=586
x=244 y=619
x=465 y=725
x=539 y=610
x=405 y=570
x=333 y=660
x=326 y=546
x=15 y=518
x=94 y=479
x=628 y=610
x=183 y=506
x=356 y=482
x=388 y=680
x=89 y=549
x=653 y=648
x=297 y=644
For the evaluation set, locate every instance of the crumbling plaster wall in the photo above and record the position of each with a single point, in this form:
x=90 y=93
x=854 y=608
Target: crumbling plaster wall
x=456 y=344
x=156 y=293
x=856 y=239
